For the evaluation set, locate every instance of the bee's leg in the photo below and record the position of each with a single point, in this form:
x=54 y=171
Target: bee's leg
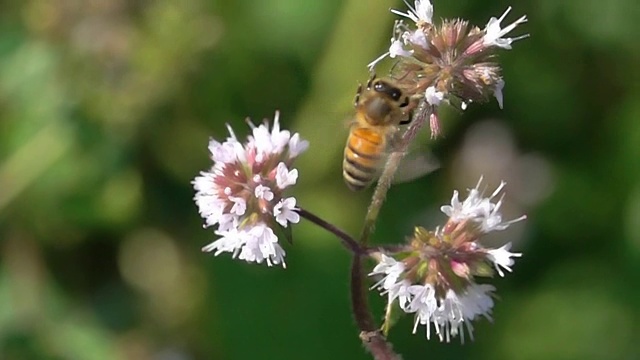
x=406 y=121
x=373 y=77
x=358 y=92
x=395 y=141
x=408 y=111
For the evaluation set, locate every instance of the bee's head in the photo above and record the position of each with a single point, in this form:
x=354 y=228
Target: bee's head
x=384 y=102
x=387 y=89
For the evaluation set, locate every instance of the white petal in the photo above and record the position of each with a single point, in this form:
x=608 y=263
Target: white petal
x=417 y=38
x=454 y=311
x=375 y=62
x=230 y=241
x=239 y=205
x=297 y=146
x=479 y=209
x=397 y=49
x=421 y=12
x=391 y=283
x=433 y=96
x=284 y=177
x=262 y=245
x=261 y=139
x=502 y=258
x=263 y=192
x=497 y=92
x=285 y=213
x=493 y=32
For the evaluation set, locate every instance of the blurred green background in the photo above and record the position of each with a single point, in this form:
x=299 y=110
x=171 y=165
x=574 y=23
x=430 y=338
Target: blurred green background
x=106 y=108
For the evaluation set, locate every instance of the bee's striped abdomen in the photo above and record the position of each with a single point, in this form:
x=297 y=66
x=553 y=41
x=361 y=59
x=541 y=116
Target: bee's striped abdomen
x=362 y=157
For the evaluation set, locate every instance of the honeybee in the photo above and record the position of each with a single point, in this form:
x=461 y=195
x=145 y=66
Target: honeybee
x=380 y=108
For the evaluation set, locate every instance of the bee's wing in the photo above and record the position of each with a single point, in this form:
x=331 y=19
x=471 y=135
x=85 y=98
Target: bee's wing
x=417 y=162
x=414 y=165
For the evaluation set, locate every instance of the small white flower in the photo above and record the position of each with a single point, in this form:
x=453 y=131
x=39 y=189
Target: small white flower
x=391 y=284
x=479 y=209
x=239 y=205
x=433 y=96
x=268 y=142
x=478 y=301
x=422 y=12
x=400 y=290
x=209 y=205
x=397 y=49
x=389 y=267
x=254 y=244
x=284 y=177
x=497 y=92
x=398 y=41
x=416 y=37
x=386 y=265
x=263 y=192
x=285 y=213
x=423 y=299
x=491 y=220
x=227 y=222
x=261 y=139
x=502 y=258
x=494 y=34
x=279 y=139
x=204 y=183
x=453 y=310
x=230 y=241
x=424 y=304
x=297 y=146
x=223 y=152
x=262 y=244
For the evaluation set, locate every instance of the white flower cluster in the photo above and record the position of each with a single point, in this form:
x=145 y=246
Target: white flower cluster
x=422 y=13
x=407 y=40
x=447 y=314
x=243 y=192
x=443 y=293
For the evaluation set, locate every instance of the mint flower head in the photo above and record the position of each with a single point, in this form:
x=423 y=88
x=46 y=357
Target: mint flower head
x=450 y=62
x=435 y=275
x=243 y=192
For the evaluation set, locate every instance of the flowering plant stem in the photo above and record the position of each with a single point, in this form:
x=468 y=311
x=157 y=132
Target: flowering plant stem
x=370 y=333
x=389 y=171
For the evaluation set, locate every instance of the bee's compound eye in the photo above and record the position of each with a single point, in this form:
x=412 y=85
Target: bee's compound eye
x=389 y=90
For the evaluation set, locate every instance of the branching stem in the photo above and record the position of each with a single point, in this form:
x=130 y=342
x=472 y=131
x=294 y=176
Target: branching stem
x=346 y=240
